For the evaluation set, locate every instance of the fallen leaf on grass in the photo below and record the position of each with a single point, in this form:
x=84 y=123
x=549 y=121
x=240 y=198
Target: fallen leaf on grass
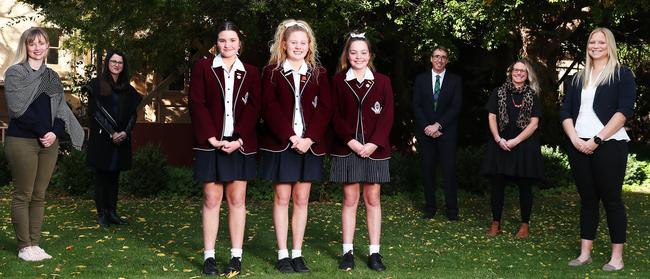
x=160 y=254
x=187 y=270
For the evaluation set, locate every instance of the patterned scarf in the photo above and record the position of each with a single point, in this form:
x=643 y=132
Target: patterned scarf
x=23 y=85
x=503 y=94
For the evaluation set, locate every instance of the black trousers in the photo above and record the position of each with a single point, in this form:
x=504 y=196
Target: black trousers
x=599 y=177
x=525 y=196
x=106 y=187
x=434 y=153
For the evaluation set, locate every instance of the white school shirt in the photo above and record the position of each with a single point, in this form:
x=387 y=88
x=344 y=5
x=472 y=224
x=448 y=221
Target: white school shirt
x=298 y=122
x=229 y=82
x=587 y=124
x=349 y=75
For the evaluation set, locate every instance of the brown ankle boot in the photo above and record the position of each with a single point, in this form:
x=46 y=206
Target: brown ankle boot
x=523 y=231
x=495 y=228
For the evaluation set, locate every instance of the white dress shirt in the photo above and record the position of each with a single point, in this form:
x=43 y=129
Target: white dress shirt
x=298 y=121
x=229 y=82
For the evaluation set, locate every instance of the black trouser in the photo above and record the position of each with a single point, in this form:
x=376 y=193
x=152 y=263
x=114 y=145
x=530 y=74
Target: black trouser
x=600 y=176
x=106 y=186
x=433 y=153
x=525 y=196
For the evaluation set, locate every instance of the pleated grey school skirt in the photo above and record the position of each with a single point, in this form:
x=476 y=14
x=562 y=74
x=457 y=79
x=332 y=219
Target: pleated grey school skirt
x=354 y=169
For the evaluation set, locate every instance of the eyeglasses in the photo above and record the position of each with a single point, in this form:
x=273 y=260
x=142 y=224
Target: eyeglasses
x=439 y=57
x=523 y=71
x=115 y=62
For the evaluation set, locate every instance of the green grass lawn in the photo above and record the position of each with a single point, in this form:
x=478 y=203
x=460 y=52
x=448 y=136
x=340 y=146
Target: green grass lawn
x=164 y=241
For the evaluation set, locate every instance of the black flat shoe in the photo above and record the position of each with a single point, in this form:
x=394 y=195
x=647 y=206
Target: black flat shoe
x=113 y=218
x=210 y=267
x=374 y=262
x=284 y=265
x=299 y=265
x=347 y=261
x=234 y=268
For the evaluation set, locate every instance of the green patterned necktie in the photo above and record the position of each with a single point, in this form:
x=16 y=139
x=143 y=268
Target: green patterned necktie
x=436 y=93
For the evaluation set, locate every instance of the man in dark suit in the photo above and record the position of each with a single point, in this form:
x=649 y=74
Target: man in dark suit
x=437 y=96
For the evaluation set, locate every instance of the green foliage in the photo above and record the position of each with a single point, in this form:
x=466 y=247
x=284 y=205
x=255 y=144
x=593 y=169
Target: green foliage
x=637 y=172
x=404 y=174
x=468 y=169
x=181 y=183
x=71 y=174
x=5 y=172
x=556 y=168
x=149 y=172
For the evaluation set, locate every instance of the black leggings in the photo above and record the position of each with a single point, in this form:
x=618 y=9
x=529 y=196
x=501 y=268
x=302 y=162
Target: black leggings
x=525 y=196
x=106 y=187
x=599 y=177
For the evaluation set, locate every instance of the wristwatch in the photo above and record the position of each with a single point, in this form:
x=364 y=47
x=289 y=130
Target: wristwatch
x=598 y=140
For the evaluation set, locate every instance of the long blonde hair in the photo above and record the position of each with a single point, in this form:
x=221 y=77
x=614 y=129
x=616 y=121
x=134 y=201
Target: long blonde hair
x=27 y=37
x=282 y=32
x=532 y=77
x=611 y=68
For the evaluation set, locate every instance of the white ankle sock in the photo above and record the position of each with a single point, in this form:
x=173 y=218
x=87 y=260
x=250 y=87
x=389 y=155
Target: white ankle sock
x=284 y=253
x=296 y=254
x=236 y=252
x=373 y=249
x=208 y=254
x=348 y=247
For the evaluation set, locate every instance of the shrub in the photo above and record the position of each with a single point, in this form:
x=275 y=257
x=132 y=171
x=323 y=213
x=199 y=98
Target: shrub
x=404 y=174
x=149 y=172
x=557 y=172
x=5 y=172
x=181 y=183
x=71 y=174
x=637 y=171
x=468 y=172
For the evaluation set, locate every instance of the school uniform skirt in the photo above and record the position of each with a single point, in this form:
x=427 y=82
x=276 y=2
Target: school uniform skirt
x=218 y=166
x=354 y=169
x=289 y=166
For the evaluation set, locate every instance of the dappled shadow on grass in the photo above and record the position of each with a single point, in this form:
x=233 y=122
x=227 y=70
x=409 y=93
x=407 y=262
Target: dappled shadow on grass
x=164 y=240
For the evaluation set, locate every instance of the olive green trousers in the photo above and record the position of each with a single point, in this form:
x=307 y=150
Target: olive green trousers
x=31 y=168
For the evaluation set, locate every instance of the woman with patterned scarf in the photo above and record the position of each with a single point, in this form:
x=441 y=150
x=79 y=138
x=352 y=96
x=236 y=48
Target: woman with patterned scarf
x=514 y=110
x=38 y=117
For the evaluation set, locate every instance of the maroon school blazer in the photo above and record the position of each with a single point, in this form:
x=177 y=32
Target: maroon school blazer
x=375 y=105
x=206 y=104
x=278 y=106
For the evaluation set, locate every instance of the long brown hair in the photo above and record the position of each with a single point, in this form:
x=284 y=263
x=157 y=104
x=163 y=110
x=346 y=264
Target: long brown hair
x=343 y=59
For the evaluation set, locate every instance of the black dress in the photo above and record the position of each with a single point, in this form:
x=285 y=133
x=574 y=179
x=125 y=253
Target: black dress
x=525 y=160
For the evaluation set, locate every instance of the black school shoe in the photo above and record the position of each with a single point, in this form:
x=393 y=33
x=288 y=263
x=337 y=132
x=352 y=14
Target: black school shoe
x=374 y=262
x=284 y=265
x=347 y=261
x=299 y=265
x=234 y=268
x=210 y=267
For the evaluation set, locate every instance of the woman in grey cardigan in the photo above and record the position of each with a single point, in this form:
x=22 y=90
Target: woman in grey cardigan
x=38 y=116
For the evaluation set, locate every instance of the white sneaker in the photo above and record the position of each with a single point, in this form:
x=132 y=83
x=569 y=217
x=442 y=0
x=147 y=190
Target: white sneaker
x=27 y=254
x=40 y=253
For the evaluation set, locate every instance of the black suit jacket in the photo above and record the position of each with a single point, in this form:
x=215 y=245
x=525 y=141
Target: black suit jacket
x=449 y=102
x=613 y=97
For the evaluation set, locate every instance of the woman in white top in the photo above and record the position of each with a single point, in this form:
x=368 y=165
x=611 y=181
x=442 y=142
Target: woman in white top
x=598 y=102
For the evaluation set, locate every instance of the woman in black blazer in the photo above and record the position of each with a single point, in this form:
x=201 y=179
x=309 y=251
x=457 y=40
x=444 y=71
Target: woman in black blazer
x=598 y=102
x=112 y=105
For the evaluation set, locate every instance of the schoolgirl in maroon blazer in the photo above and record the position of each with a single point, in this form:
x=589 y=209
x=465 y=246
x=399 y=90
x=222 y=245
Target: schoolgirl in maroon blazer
x=362 y=120
x=224 y=102
x=296 y=114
